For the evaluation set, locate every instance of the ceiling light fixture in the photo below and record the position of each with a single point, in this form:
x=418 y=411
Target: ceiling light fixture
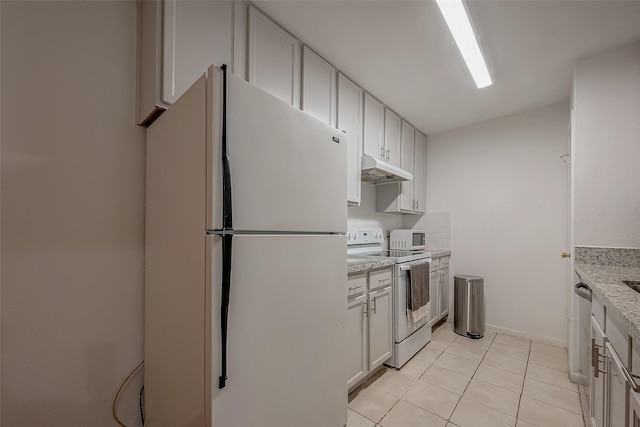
x=455 y=14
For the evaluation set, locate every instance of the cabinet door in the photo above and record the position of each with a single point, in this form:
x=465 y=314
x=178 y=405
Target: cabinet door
x=196 y=35
x=420 y=173
x=274 y=58
x=597 y=376
x=434 y=298
x=318 y=87
x=634 y=409
x=407 y=202
x=350 y=121
x=356 y=339
x=177 y=42
x=392 y=135
x=444 y=293
x=616 y=390
x=380 y=326
x=373 y=127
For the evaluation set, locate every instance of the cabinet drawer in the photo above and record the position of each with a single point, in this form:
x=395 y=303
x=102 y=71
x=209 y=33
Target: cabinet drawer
x=356 y=284
x=619 y=339
x=380 y=278
x=444 y=262
x=597 y=309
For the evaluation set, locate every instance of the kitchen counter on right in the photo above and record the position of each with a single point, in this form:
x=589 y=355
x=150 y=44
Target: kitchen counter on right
x=621 y=301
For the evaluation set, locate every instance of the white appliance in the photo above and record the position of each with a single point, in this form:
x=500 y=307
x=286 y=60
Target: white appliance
x=376 y=171
x=408 y=336
x=408 y=240
x=246 y=206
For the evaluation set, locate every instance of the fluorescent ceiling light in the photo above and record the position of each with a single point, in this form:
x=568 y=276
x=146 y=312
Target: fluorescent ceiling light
x=459 y=24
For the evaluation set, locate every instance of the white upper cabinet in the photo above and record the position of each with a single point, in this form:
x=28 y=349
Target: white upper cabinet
x=318 y=87
x=373 y=127
x=392 y=129
x=350 y=121
x=178 y=41
x=407 y=196
x=274 y=58
x=420 y=173
x=407 y=202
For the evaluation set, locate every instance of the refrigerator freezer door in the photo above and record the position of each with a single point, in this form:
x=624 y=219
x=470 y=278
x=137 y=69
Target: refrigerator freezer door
x=286 y=336
x=288 y=170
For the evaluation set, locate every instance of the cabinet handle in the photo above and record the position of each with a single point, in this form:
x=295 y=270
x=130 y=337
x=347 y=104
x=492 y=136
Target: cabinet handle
x=353 y=288
x=417 y=204
x=374 y=305
x=594 y=352
x=382 y=153
x=381 y=281
x=595 y=359
x=631 y=379
x=387 y=154
x=365 y=306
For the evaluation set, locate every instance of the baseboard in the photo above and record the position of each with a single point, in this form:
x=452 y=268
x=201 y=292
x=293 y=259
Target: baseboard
x=522 y=334
x=578 y=378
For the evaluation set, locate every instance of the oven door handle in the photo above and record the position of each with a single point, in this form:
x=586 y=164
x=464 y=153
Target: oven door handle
x=407 y=267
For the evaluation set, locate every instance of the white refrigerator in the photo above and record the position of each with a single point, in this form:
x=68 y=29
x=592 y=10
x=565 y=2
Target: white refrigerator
x=246 y=204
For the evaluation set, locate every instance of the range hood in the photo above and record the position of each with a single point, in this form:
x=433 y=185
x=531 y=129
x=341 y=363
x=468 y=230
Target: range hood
x=376 y=171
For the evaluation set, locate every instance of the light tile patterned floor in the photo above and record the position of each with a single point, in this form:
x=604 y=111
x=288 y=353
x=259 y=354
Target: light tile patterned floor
x=498 y=380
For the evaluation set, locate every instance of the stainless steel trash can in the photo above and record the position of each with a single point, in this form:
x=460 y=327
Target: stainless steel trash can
x=468 y=306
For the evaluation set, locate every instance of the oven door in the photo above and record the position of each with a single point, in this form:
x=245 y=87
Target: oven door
x=402 y=325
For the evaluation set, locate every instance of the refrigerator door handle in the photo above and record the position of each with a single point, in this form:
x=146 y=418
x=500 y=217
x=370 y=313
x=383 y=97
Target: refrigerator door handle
x=227 y=214
x=227 y=224
x=227 y=240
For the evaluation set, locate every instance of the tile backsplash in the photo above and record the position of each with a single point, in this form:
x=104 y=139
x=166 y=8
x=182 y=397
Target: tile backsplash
x=621 y=257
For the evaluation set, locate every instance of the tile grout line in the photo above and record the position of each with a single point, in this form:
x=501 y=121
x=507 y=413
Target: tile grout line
x=474 y=373
x=526 y=368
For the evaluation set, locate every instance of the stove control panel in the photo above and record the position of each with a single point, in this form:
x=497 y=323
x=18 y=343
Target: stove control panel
x=365 y=236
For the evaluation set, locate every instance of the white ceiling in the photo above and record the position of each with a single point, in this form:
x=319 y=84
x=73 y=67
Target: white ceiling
x=402 y=52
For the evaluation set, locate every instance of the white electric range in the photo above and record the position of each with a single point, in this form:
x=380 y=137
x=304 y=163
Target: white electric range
x=408 y=336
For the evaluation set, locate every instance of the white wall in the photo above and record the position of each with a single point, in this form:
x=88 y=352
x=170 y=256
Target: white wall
x=607 y=149
x=72 y=244
x=507 y=190
x=365 y=215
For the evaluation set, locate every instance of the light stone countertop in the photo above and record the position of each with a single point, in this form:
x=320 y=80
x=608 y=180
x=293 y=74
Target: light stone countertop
x=358 y=263
x=621 y=301
x=439 y=254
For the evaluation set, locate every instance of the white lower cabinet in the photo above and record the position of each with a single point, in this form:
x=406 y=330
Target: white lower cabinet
x=444 y=292
x=439 y=289
x=380 y=326
x=597 y=379
x=434 y=295
x=357 y=339
x=634 y=409
x=611 y=385
x=369 y=323
x=616 y=390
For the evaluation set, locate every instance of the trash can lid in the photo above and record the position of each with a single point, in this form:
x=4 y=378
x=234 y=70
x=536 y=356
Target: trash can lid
x=467 y=277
